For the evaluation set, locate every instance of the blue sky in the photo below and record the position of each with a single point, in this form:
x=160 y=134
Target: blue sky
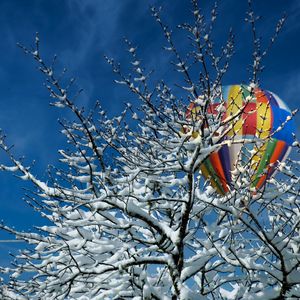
x=80 y=33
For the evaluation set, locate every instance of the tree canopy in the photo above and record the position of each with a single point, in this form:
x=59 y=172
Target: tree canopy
x=128 y=212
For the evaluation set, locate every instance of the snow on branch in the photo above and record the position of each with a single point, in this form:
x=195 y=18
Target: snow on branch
x=134 y=210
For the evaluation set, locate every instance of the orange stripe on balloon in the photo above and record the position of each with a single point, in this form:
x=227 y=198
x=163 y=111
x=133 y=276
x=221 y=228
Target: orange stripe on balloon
x=260 y=96
x=217 y=165
x=189 y=110
x=280 y=145
x=261 y=181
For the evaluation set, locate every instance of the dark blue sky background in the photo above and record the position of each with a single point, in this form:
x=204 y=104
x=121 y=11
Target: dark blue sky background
x=80 y=32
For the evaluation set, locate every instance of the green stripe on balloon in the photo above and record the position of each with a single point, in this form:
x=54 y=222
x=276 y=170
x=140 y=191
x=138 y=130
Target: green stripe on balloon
x=264 y=162
x=214 y=176
x=245 y=91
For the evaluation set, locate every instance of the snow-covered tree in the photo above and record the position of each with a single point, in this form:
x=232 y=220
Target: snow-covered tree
x=128 y=214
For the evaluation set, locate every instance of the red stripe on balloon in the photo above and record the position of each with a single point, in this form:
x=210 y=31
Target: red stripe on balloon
x=212 y=108
x=249 y=117
x=217 y=165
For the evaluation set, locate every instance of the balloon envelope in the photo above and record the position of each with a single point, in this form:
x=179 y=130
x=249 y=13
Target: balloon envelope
x=261 y=136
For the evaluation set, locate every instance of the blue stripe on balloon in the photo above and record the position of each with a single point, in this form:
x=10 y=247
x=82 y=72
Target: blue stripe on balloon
x=286 y=133
x=224 y=156
x=283 y=152
x=271 y=99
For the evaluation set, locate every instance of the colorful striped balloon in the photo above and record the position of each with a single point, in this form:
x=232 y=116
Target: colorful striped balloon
x=261 y=136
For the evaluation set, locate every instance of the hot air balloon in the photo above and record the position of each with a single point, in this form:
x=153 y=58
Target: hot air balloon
x=261 y=135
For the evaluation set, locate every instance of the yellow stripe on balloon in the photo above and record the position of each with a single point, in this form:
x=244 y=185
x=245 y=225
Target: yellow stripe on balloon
x=263 y=120
x=207 y=174
x=196 y=113
x=263 y=128
x=235 y=104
